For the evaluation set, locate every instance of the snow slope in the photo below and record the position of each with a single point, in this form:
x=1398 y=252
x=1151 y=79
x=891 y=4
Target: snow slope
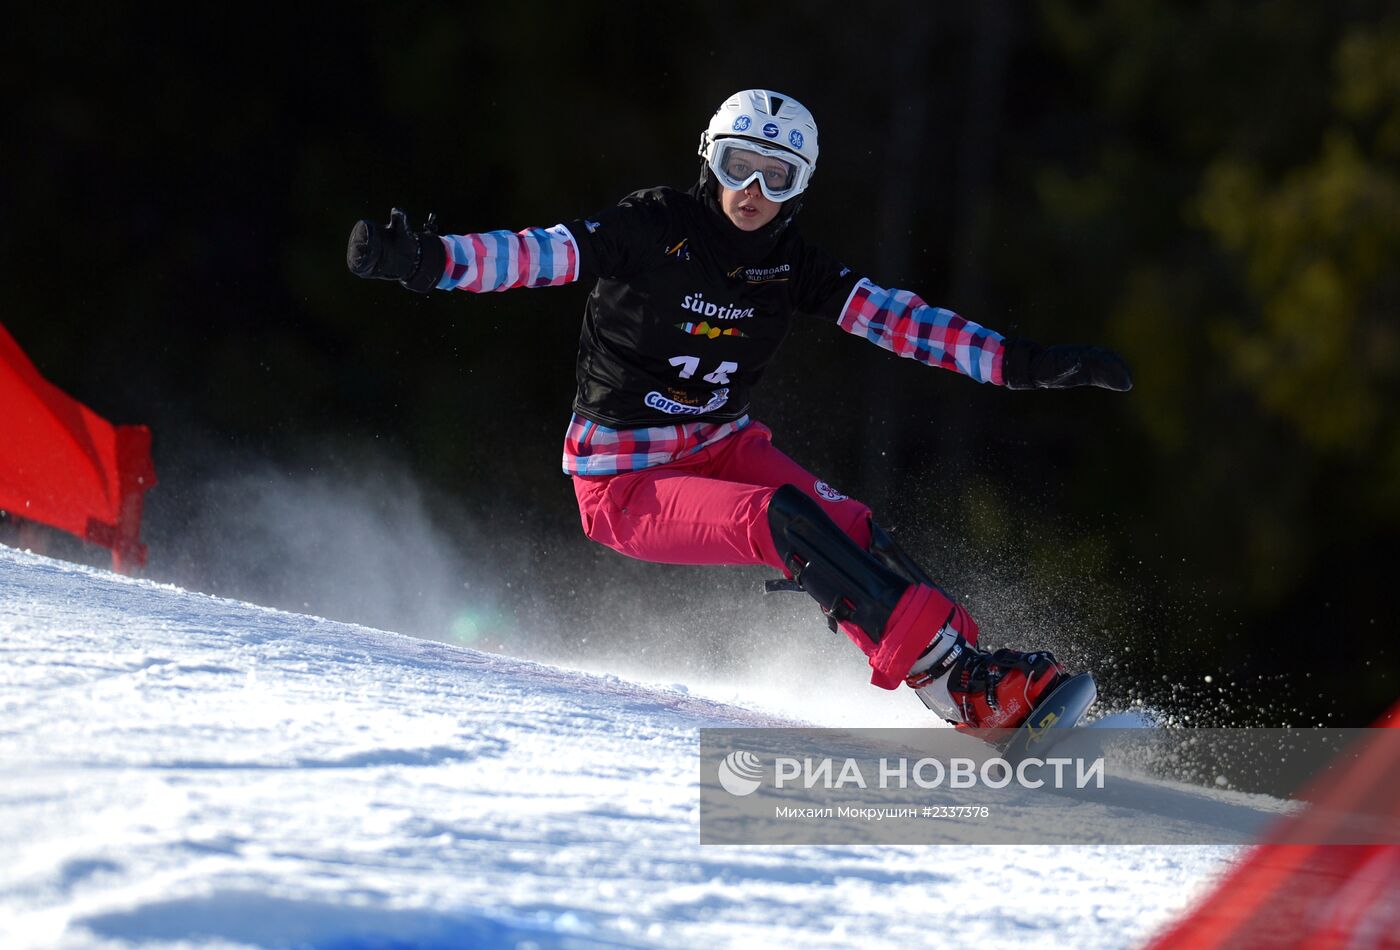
x=182 y=770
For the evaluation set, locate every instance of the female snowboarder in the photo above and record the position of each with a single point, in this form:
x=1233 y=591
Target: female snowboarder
x=695 y=290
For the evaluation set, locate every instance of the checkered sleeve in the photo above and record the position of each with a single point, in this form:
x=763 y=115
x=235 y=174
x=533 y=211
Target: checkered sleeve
x=902 y=323
x=504 y=260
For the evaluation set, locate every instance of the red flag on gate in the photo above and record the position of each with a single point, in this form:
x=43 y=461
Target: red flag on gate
x=1283 y=895
x=63 y=465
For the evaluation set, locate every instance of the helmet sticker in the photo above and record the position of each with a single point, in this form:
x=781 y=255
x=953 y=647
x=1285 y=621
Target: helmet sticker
x=742 y=123
x=770 y=130
x=795 y=138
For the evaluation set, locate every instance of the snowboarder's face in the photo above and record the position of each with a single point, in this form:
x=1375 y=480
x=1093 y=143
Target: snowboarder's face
x=749 y=209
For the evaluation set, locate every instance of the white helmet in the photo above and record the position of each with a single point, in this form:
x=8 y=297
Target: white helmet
x=770 y=124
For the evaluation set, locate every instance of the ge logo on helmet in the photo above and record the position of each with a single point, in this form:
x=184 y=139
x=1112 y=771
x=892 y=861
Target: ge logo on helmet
x=741 y=773
x=742 y=123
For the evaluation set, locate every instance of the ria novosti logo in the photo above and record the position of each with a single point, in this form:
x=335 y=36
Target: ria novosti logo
x=741 y=773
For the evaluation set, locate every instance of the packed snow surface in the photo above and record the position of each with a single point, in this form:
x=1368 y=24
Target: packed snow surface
x=183 y=770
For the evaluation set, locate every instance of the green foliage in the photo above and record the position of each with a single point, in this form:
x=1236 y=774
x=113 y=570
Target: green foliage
x=1316 y=249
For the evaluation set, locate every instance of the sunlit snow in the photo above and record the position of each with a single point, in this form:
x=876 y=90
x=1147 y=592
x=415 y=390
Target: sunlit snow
x=185 y=770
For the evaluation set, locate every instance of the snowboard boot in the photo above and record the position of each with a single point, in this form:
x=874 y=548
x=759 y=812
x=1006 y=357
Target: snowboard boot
x=977 y=689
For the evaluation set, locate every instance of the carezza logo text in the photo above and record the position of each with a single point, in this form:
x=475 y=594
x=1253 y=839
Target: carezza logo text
x=673 y=407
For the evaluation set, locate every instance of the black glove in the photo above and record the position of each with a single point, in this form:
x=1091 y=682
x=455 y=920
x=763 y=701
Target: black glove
x=1028 y=366
x=397 y=252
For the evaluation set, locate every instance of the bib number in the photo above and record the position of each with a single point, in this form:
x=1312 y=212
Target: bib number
x=688 y=365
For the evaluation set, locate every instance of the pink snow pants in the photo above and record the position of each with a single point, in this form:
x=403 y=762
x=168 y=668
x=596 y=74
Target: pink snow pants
x=712 y=508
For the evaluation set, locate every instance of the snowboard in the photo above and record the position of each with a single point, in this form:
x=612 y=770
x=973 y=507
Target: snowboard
x=1051 y=720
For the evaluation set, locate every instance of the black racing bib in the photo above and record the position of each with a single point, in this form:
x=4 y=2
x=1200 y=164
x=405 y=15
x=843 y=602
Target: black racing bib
x=675 y=329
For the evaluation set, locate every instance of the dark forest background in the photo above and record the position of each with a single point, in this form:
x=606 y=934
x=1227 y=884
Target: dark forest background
x=1211 y=188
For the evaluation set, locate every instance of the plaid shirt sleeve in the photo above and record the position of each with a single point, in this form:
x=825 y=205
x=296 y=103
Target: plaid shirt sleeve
x=593 y=449
x=902 y=323
x=504 y=260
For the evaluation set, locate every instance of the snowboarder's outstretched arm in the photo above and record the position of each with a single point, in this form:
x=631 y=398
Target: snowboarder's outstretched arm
x=901 y=322
x=478 y=263
x=614 y=242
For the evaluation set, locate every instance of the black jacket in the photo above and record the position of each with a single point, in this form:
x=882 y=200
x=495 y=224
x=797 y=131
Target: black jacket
x=688 y=310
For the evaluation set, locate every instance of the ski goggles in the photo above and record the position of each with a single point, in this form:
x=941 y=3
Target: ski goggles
x=739 y=162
